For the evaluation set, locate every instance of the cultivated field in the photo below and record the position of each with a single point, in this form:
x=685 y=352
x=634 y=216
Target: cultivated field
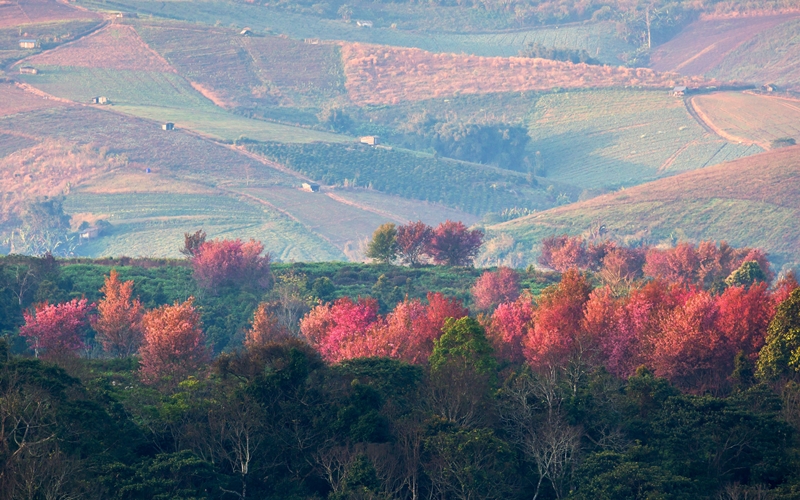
x=144 y=143
x=395 y=208
x=387 y=75
x=436 y=33
x=753 y=201
x=772 y=56
x=116 y=46
x=152 y=224
x=750 y=118
x=15 y=100
x=754 y=50
x=22 y=12
x=618 y=138
x=702 y=46
x=243 y=71
x=468 y=187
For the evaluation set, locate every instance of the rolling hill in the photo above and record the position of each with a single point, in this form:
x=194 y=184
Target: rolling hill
x=753 y=201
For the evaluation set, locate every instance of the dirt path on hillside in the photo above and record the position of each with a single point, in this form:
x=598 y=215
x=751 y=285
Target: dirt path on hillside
x=708 y=124
x=41 y=93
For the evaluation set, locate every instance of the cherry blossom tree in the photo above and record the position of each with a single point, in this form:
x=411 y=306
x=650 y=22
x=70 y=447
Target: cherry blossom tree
x=266 y=327
x=54 y=331
x=509 y=326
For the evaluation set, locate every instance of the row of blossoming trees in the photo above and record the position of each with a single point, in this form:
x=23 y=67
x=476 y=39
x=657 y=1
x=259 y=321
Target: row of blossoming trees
x=692 y=314
x=169 y=340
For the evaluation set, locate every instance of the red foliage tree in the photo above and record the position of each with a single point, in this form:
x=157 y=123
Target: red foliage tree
x=174 y=343
x=266 y=328
x=744 y=315
x=556 y=334
x=508 y=327
x=341 y=330
x=690 y=350
x=621 y=266
x=412 y=241
x=494 y=288
x=563 y=253
x=627 y=343
x=119 y=320
x=673 y=265
x=231 y=262
x=59 y=330
x=453 y=244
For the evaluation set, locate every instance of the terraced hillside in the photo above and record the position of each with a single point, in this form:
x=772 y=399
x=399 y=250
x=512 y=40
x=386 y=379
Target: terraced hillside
x=753 y=201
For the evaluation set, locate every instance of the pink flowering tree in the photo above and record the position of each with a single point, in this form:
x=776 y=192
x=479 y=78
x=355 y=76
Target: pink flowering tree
x=57 y=330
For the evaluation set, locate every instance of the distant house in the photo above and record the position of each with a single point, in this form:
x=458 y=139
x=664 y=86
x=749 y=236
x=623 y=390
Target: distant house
x=312 y=41
x=126 y=15
x=246 y=32
x=168 y=126
x=769 y=87
x=311 y=187
x=364 y=24
x=28 y=70
x=678 y=91
x=372 y=140
x=100 y=100
x=28 y=43
x=90 y=233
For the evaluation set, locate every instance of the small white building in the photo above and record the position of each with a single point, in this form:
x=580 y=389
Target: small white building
x=364 y=24
x=372 y=140
x=310 y=187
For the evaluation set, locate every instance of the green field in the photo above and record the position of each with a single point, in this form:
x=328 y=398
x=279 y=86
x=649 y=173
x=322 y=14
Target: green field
x=152 y=224
x=599 y=39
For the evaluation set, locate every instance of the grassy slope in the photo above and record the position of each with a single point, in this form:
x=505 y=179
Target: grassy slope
x=436 y=33
x=752 y=201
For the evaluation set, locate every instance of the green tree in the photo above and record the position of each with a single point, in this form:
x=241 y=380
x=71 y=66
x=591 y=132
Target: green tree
x=383 y=246
x=781 y=353
x=747 y=274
